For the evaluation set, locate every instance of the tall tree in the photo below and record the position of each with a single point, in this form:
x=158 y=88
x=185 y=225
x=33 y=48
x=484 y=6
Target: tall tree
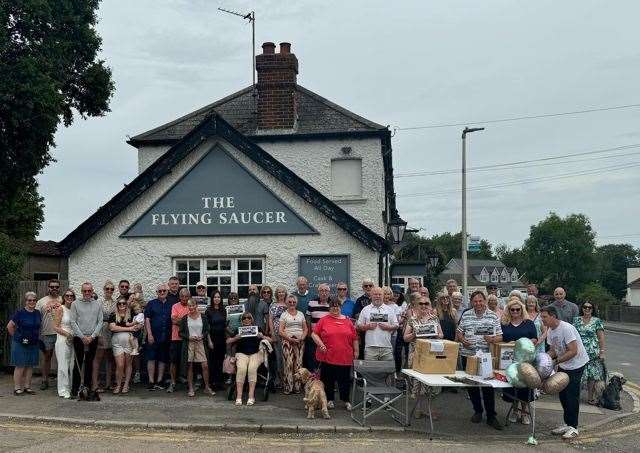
x=560 y=252
x=49 y=69
x=511 y=257
x=450 y=245
x=612 y=261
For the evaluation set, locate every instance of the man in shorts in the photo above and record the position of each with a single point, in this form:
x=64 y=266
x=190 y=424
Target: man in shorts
x=178 y=311
x=47 y=305
x=157 y=320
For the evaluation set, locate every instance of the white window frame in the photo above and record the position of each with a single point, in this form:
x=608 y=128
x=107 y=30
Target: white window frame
x=403 y=280
x=484 y=275
x=494 y=276
x=229 y=273
x=504 y=276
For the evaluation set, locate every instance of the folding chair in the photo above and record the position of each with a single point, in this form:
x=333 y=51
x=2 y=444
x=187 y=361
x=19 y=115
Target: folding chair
x=375 y=389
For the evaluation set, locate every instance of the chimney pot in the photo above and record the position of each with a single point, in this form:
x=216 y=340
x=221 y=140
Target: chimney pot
x=268 y=48
x=285 y=47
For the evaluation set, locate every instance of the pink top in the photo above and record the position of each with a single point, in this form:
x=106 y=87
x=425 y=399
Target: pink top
x=180 y=311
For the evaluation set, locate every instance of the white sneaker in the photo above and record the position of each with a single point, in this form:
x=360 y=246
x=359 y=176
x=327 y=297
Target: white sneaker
x=347 y=406
x=560 y=430
x=571 y=433
x=330 y=405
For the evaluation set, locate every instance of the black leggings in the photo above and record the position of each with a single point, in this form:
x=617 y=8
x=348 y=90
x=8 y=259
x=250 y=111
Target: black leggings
x=330 y=374
x=87 y=359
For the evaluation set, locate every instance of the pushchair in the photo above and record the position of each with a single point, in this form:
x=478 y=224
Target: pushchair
x=265 y=383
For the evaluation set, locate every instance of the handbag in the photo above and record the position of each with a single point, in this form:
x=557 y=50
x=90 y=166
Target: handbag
x=229 y=365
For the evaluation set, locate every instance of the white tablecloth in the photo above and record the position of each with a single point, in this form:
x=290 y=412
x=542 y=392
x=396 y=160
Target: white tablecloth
x=440 y=380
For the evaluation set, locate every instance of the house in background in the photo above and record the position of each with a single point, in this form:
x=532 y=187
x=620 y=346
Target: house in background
x=481 y=273
x=633 y=286
x=45 y=261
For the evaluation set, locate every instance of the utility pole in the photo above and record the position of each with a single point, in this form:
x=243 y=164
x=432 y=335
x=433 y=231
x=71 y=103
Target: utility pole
x=466 y=131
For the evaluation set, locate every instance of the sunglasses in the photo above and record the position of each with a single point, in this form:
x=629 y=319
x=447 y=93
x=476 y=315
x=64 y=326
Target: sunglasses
x=515 y=309
x=107 y=288
x=342 y=289
x=31 y=300
x=246 y=317
x=121 y=303
x=424 y=304
x=54 y=287
x=367 y=286
x=162 y=291
x=587 y=307
x=70 y=295
x=89 y=291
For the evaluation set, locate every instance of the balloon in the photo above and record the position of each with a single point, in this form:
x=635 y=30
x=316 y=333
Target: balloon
x=544 y=365
x=556 y=383
x=524 y=351
x=513 y=377
x=529 y=375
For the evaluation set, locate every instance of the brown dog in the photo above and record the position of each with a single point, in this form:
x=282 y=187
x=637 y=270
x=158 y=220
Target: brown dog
x=314 y=396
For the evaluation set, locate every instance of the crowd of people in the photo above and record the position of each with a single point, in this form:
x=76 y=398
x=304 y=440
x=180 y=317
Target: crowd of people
x=209 y=340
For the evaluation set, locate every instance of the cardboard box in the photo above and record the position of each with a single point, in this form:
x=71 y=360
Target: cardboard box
x=436 y=356
x=472 y=366
x=503 y=352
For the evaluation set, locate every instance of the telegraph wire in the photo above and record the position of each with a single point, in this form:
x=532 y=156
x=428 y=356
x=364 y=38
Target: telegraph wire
x=519 y=118
x=515 y=164
x=525 y=181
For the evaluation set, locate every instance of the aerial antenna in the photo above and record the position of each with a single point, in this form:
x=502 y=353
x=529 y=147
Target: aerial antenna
x=251 y=17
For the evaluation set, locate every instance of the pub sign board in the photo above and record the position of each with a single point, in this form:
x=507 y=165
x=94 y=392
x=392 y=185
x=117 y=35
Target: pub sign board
x=218 y=196
x=329 y=269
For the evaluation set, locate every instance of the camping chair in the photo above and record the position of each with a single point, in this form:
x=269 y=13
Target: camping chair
x=374 y=390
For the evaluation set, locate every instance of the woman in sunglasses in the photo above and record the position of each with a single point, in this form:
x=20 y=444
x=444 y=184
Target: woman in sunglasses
x=122 y=325
x=423 y=324
x=515 y=325
x=248 y=357
x=292 y=331
x=591 y=330
x=103 y=351
x=24 y=328
x=64 y=343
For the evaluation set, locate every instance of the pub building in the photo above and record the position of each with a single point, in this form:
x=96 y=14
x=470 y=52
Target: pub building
x=263 y=185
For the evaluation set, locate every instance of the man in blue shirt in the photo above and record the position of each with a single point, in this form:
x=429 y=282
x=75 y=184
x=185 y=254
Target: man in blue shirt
x=347 y=304
x=157 y=320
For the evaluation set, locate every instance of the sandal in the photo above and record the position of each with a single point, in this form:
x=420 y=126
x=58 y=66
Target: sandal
x=29 y=391
x=209 y=392
x=238 y=402
x=125 y=389
x=191 y=394
x=18 y=392
x=593 y=402
x=116 y=390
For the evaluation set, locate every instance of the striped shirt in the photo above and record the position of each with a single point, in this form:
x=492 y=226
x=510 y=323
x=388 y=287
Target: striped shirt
x=317 y=310
x=474 y=328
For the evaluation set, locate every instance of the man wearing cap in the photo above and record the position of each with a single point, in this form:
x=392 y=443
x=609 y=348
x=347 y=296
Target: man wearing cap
x=201 y=297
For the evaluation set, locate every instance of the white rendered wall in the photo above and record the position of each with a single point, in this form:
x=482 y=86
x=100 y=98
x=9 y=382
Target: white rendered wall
x=149 y=260
x=311 y=160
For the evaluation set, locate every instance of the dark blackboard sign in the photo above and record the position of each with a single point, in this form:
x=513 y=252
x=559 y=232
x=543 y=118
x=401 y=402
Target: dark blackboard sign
x=329 y=269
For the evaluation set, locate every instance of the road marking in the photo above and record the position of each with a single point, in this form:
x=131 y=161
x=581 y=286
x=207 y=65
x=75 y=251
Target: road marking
x=633 y=385
x=601 y=434
x=625 y=364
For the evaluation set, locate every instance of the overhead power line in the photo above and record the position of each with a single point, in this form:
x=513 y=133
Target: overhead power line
x=526 y=181
x=521 y=162
x=632 y=235
x=518 y=118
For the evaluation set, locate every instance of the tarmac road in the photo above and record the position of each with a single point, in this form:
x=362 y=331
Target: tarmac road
x=623 y=354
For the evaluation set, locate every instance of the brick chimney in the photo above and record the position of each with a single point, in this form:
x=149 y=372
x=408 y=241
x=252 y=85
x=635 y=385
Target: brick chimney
x=277 y=76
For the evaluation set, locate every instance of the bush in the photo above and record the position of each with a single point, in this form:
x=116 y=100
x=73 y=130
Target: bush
x=598 y=295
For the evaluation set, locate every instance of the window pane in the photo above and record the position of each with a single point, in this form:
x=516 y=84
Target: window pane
x=192 y=290
x=256 y=265
x=194 y=277
x=225 y=290
x=243 y=292
x=243 y=265
x=225 y=265
x=212 y=265
x=182 y=278
x=225 y=280
x=181 y=265
x=194 y=265
x=243 y=278
x=212 y=281
x=256 y=278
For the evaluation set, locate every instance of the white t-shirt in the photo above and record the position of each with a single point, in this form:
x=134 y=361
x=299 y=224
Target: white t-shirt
x=195 y=326
x=378 y=337
x=558 y=340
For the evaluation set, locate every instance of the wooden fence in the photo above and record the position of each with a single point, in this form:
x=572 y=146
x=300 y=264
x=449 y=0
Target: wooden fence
x=8 y=308
x=623 y=313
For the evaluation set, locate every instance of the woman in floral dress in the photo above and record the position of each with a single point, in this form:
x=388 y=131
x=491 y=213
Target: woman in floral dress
x=591 y=329
x=423 y=324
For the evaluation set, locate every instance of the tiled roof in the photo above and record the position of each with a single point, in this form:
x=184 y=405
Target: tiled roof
x=45 y=248
x=316 y=115
x=214 y=125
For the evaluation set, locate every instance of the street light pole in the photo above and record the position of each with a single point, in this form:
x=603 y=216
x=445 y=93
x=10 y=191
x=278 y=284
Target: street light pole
x=466 y=131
